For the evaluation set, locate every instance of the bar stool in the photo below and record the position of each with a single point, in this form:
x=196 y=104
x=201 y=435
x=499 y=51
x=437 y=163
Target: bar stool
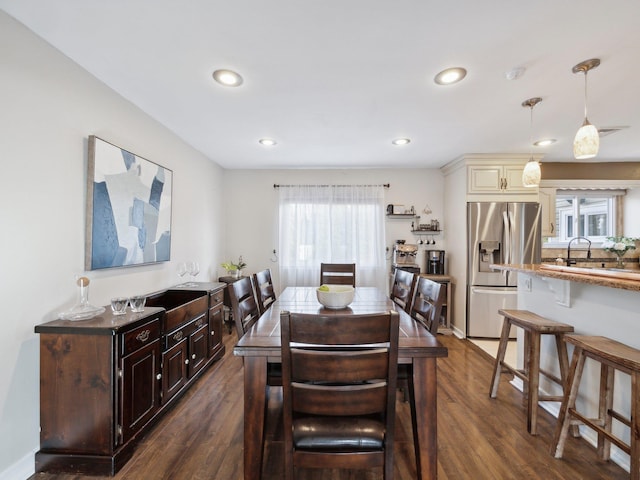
x=612 y=356
x=534 y=326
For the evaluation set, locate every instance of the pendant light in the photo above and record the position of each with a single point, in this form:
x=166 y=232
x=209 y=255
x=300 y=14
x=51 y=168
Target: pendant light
x=587 y=140
x=531 y=173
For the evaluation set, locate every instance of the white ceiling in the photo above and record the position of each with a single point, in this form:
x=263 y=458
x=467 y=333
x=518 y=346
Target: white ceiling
x=334 y=81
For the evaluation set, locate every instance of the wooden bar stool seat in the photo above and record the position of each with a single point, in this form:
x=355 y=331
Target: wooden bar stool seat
x=611 y=355
x=534 y=327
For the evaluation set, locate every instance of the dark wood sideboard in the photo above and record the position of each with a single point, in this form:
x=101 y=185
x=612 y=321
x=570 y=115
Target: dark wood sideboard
x=105 y=381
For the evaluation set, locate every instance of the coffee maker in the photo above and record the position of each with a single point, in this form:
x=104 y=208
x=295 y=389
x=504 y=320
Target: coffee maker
x=404 y=257
x=435 y=262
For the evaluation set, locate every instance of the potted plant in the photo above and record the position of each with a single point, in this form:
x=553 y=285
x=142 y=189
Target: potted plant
x=234 y=269
x=619 y=246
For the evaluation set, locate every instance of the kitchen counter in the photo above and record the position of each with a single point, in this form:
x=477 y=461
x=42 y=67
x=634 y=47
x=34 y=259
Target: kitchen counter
x=625 y=279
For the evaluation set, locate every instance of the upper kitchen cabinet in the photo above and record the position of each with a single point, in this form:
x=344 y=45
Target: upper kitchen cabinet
x=547 y=199
x=495 y=177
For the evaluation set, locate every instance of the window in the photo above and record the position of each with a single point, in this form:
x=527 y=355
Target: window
x=589 y=214
x=331 y=224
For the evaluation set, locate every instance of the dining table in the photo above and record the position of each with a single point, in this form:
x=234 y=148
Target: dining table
x=417 y=347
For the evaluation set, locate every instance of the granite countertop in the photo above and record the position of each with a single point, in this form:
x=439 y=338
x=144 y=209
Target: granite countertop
x=615 y=278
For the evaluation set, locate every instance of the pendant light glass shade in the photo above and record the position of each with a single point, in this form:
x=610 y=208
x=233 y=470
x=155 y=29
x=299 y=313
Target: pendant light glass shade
x=587 y=140
x=531 y=173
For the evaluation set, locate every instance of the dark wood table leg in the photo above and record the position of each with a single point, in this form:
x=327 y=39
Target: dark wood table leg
x=425 y=417
x=255 y=397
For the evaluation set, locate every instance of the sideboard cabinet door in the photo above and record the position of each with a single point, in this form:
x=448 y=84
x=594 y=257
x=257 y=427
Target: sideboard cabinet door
x=140 y=388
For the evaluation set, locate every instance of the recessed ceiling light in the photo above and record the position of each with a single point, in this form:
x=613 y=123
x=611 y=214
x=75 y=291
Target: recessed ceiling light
x=545 y=142
x=400 y=141
x=228 y=78
x=450 y=75
x=267 y=142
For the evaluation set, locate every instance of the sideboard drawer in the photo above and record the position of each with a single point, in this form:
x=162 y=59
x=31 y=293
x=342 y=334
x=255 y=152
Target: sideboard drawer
x=141 y=336
x=216 y=297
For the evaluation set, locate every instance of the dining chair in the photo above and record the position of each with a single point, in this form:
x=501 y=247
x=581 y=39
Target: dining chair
x=245 y=314
x=265 y=293
x=426 y=309
x=402 y=288
x=338 y=274
x=339 y=382
x=428 y=300
x=243 y=305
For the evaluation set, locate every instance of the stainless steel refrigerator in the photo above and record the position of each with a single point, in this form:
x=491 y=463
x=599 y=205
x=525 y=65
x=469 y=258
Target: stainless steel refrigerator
x=497 y=232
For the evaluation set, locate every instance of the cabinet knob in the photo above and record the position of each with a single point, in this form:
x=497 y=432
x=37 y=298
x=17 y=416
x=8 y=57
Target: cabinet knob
x=213 y=332
x=186 y=362
x=193 y=356
x=159 y=376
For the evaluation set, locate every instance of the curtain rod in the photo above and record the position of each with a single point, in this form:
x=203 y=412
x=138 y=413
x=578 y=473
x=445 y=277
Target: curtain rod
x=385 y=185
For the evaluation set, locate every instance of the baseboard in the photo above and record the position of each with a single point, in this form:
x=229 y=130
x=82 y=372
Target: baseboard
x=457 y=332
x=22 y=469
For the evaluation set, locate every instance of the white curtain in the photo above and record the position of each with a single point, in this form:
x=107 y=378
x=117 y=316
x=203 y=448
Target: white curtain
x=332 y=224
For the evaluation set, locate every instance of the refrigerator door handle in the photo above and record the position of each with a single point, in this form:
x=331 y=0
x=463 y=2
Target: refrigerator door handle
x=506 y=253
x=506 y=244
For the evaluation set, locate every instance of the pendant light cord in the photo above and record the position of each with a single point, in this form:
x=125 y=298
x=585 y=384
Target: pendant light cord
x=531 y=131
x=585 y=94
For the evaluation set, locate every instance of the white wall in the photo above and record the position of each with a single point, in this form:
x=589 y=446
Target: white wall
x=455 y=198
x=48 y=108
x=251 y=204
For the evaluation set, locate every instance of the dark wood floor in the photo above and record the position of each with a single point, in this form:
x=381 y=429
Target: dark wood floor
x=478 y=438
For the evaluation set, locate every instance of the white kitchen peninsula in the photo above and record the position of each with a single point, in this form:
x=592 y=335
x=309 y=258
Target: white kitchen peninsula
x=595 y=302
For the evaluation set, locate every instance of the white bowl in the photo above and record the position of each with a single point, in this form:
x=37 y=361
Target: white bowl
x=338 y=296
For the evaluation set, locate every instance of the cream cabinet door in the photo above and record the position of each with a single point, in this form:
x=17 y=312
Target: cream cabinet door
x=547 y=199
x=512 y=175
x=484 y=179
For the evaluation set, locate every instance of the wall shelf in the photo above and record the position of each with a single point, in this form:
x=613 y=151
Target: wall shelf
x=426 y=232
x=402 y=215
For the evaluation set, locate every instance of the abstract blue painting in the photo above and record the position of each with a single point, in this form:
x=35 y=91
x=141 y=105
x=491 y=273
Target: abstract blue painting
x=128 y=208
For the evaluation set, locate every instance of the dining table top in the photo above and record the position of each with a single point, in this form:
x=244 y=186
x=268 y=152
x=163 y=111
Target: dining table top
x=264 y=336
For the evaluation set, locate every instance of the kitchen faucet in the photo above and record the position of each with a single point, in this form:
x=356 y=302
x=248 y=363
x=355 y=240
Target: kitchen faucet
x=573 y=262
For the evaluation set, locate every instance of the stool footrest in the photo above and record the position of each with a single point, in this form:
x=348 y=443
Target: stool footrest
x=551 y=376
x=619 y=417
x=592 y=424
x=550 y=398
x=515 y=371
